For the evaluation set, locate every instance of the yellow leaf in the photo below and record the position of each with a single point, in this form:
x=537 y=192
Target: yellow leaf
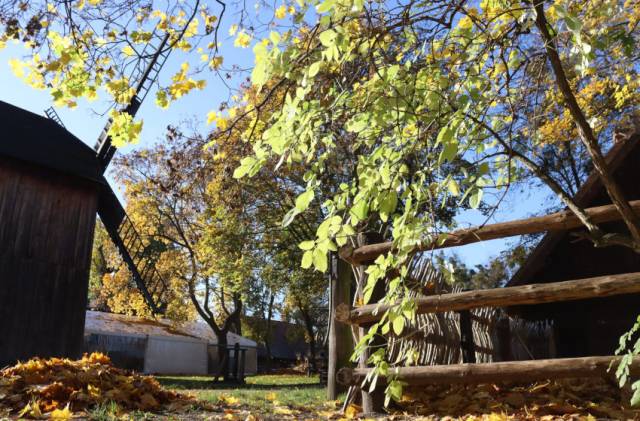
x=215 y=63
x=128 y=51
x=62 y=414
x=242 y=40
x=271 y=396
x=281 y=12
x=352 y=411
x=211 y=117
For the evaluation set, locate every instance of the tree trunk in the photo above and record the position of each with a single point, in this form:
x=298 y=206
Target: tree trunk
x=223 y=357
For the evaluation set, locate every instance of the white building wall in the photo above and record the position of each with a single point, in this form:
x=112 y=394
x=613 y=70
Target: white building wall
x=175 y=356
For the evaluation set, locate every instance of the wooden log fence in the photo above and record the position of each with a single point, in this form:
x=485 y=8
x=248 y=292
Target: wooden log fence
x=532 y=294
x=489 y=372
x=601 y=286
x=559 y=221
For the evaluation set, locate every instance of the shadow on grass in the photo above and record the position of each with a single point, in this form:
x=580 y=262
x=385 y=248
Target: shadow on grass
x=203 y=383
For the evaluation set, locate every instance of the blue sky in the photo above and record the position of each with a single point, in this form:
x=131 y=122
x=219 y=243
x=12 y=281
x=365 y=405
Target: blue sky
x=86 y=123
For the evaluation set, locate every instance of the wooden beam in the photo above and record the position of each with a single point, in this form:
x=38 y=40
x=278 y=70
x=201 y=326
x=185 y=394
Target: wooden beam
x=559 y=221
x=340 y=337
x=496 y=372
x=601 y=286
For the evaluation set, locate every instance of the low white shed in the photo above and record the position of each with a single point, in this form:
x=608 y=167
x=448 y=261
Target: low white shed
x=160 y=346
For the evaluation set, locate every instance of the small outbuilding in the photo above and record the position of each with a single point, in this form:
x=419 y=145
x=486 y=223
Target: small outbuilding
x=161 y=346
x=587 y=327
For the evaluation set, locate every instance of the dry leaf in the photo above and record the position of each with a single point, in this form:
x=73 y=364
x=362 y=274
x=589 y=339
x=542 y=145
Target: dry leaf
x=352 y=411
x=61 y=414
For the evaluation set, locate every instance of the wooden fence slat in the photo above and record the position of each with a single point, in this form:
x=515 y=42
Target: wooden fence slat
x=496 y=372
x=559 y=221
x=601 y=286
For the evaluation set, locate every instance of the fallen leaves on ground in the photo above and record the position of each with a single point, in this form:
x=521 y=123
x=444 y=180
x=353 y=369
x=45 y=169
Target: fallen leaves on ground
x=575 y=399
x=56 y=388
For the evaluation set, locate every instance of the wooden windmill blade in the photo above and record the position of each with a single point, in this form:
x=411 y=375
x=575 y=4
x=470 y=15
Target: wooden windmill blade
x=121 y=230
x=132 y=248
x=145 y=73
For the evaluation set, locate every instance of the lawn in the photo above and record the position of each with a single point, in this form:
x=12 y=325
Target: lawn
x=261 y=393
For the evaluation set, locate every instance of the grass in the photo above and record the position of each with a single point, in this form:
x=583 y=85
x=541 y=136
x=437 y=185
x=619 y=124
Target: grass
x=259 y=393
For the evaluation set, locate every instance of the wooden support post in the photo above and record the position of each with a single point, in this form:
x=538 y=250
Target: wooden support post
x=236 y=360
x=503 y=333
x=340 y=338
x=371 y=402
x=520 y=371
x=243 y=355
x=466 y=337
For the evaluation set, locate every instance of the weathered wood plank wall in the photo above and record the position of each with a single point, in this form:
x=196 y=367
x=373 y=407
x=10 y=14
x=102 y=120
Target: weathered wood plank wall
x=47 y=222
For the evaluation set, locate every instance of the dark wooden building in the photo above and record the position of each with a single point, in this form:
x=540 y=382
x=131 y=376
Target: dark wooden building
x=587 y=327
x=50 y=184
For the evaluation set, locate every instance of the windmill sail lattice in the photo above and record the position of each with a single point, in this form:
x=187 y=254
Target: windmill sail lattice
x=133 y=250
x=145 y=73
x=114 y=218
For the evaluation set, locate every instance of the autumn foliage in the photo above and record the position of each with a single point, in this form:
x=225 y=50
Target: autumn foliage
x=59 y=388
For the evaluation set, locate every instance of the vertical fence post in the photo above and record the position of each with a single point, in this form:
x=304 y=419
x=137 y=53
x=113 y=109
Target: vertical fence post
x=236 y=358
x=466 y=337
x=243 y=355
x=371 y=402
x=340 y=338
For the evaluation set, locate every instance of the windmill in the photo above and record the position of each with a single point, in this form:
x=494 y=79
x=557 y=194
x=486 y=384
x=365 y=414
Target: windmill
x=112 y=214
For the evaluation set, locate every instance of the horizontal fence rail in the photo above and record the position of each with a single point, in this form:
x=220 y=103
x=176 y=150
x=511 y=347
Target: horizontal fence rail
x=559 y=221
x=601 y=286
x=496 y=372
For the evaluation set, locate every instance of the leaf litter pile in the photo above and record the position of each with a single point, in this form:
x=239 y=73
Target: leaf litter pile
x=571 y=399
x=60 y=388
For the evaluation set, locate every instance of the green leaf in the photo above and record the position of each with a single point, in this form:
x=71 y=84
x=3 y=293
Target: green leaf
x=635 y=399
x=475 y=198
x=307 y=259
x=356 y=126
x=453 y=187
x=314 y=68
x=444 y=135
x=573 y=24
x=327 y=37
x=325 y=6
x=389 y=203
x=289 y=217
x=398 y=325
x=449 y=151
x=274 y=36
x=307 y=245
x=320 y=260
x=245 y=166
x=303 y=201
x=360 y=210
